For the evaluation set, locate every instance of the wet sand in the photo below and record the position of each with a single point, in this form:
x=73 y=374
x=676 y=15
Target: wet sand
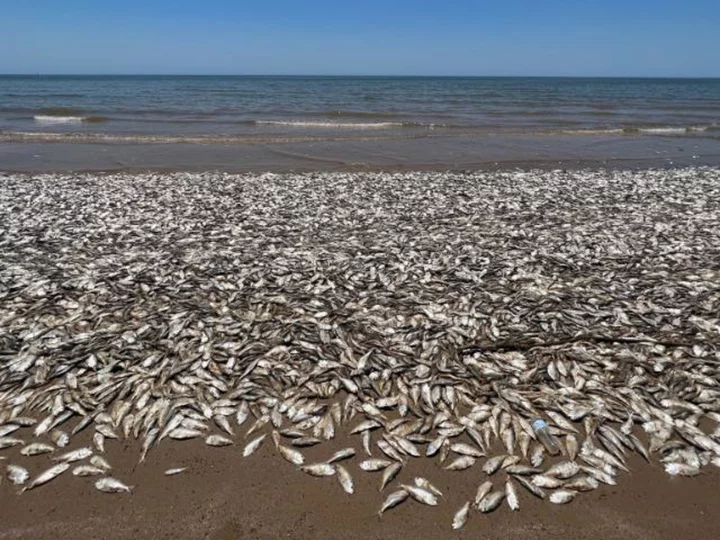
x=223 y=496
x=487 y=152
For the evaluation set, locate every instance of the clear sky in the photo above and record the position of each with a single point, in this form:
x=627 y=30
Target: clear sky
x=401 y=37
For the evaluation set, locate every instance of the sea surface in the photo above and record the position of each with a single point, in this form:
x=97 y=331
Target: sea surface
x=276 y=108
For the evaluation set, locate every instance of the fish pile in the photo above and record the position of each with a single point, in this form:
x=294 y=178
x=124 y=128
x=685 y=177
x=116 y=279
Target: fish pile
x=428 y=316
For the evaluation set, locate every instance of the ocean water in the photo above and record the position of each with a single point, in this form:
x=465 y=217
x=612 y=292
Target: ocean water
x=228 y=109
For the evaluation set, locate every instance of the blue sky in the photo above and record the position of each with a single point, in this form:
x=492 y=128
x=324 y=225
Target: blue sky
x=500 y=37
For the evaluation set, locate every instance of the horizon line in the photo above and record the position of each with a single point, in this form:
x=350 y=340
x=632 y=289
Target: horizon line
x=40 y=74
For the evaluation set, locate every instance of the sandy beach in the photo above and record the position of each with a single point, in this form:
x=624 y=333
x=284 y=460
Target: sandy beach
x=441 y=307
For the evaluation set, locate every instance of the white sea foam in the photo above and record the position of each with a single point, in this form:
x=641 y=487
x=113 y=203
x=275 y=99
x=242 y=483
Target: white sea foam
x=330 y=125
x=44 y=119
x=664 y=130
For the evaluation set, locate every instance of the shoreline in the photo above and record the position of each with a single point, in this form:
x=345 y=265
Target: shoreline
x=437 y=308
x=430 y=154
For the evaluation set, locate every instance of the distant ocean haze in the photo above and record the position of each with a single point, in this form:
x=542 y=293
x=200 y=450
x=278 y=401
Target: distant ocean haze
x=245 y=108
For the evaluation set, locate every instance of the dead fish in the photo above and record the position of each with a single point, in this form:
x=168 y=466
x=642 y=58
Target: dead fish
x=100 y=462
x=532 y=488
x=305 y=442
x=681 y=469
x=482 y=491
x=87 y=470
x=564 y=470
x=491 y=501
x=466 y=450
x=17 y=475
x=562 y=496
x=584 y=483
x=99 y=442
x=389 y=474
x=111 y=485
x=59 y=438
x=345 y=479
x=421 y=495
x=218 y=440
x=544 y=481
x=318 y=469
x=35 y=449
x=184 y=433
x=8 y=442
x=46 y=476
x=373 y=465
x=291 y=455
x=253 y=445
x=425 y=484
x=511 y=495
x=523 y=470
x=75 y=455
x=394 y=499
x=493 y=464
x=340 y=455
x=461 y=463
x=461 y=516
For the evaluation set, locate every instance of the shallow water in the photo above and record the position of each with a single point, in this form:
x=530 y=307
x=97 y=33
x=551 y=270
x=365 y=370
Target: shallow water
x=245 y=107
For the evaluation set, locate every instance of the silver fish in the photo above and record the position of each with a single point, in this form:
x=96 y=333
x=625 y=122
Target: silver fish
x=345 y=479
x=112 y=485
x=46 y=476
x=461 y=516
x=253 y=445
x=394 y=499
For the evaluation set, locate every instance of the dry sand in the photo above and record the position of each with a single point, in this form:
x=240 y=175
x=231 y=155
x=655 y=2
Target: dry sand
x=225 y=496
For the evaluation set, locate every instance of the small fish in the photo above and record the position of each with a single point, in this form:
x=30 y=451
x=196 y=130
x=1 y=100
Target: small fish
x=345 y=479
x=17 y=475
x=389 y=474
x=563 y=470
x=493 y=464
x=46 y=476
x=421 y=495
x=112 y=485
x=100 y=462
x=466 y=450
x=374 y=465
x=491 y=502
x=318 y=469
x=88 y=470
x=461 y=516
x=59 y=438
x=394 y=499
x=562 y=496
x=184 y=433
x=218 y=440
x=523 y=470
x=584 y=483
x=461 y=463
x=75 y=455
x=8 y=442
x=253 y=445
x=304 y=442
x=544 y=481
x=291 y=455
x=35 y=449
x=532 y=488
x=511 y=495
x=681 y=469
x=482 y=491
x=172 y=472
x=340 y=455
x=424 y=483
x=99 y=442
